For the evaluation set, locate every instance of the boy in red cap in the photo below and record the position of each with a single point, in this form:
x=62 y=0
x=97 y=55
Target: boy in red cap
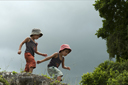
x=31 y=49
x=56 y=60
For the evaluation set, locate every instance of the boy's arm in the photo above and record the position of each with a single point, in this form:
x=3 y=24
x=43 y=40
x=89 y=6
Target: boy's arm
x=63 y=66
x=26 y=40
x=40 y=53
x=47 y=58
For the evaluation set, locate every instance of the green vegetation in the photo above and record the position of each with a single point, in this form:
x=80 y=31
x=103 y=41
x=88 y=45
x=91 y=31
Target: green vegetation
x=115 y=26
x=4 y=81
x=14 y=72
x=46 y=76
x=108 y=73
x=115 y=32
x=54 y=82
x=21 y=70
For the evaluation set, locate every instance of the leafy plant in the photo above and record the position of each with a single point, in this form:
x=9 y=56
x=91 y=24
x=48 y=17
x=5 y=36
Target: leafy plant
x=107 y=73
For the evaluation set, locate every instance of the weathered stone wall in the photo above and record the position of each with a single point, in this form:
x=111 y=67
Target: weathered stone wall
x=26 y=79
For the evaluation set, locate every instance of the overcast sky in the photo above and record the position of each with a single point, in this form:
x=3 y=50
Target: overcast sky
x=62 y=22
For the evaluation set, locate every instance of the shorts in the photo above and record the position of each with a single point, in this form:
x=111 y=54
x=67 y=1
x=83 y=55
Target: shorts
x=30 y=62
x=54 y=72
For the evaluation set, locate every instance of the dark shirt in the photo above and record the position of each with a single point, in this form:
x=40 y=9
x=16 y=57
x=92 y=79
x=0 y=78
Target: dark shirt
x=30 y=47
x=55 y=62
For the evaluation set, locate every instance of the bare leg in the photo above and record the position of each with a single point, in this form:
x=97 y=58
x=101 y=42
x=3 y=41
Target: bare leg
x=31 y=70
x=59 y=78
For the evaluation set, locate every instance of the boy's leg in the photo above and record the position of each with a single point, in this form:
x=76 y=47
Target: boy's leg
x=31 y=69
x=58 y=74
x=59 y=78
x=55 y=73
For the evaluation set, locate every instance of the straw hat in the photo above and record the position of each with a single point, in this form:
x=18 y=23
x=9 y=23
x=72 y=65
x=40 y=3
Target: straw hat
x=36 y=31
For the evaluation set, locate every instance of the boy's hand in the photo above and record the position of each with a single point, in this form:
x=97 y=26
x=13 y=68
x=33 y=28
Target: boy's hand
x=38 y=62
x=68 y=68
x=19 y=52
x=45 y=55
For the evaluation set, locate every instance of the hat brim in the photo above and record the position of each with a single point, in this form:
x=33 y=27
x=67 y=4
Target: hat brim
x=37 y=34
x=65 y=49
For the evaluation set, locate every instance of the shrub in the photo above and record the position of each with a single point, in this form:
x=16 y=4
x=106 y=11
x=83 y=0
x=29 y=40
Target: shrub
x=107 y=73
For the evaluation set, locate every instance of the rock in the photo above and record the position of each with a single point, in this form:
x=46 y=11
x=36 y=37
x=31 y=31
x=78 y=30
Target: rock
x=27 y=79
x=1 y=83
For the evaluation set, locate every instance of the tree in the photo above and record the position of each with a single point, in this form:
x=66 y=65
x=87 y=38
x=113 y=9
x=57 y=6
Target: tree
x=115 y=26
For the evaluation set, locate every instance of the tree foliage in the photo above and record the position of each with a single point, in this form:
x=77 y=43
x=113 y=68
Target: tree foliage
x=108 y=73
x=115 y=26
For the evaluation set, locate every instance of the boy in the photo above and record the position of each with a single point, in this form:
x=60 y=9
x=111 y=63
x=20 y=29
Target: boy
x=56 y=60
x=31 y=49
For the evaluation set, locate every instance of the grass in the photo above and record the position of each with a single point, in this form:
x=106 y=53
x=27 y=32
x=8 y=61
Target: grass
x=45 y=75
x=54 y=82
x=14 y=72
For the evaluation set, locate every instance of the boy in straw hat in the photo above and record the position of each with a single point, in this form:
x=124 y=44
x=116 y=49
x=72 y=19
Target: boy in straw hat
x=31 y=49
x=56 y=59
